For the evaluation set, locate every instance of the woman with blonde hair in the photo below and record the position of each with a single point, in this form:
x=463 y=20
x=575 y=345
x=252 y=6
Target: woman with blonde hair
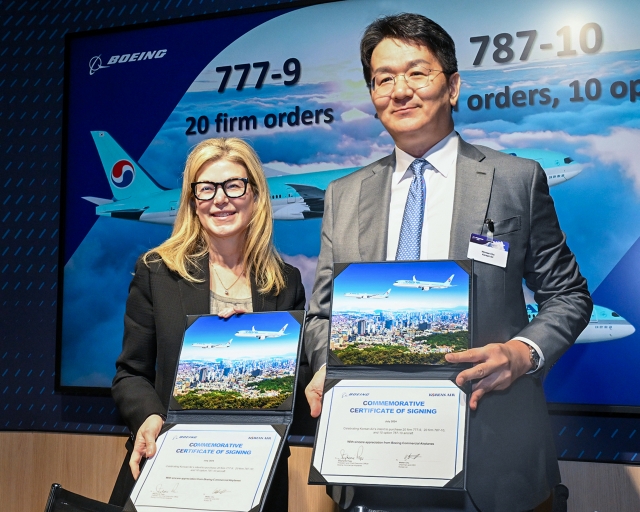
x=219 y=259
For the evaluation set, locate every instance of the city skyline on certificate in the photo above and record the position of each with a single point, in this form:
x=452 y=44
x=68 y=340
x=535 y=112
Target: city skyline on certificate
x=399 y=312
x=244 y=362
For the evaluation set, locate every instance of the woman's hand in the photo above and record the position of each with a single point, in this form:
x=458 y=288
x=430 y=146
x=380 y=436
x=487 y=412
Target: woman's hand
x=230 y=311
x=145 y=443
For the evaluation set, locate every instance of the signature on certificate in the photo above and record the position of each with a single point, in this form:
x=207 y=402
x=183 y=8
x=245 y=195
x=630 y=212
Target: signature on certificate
x=359 y=455
x=161 y=492
x=215 y=494
x=408 y=460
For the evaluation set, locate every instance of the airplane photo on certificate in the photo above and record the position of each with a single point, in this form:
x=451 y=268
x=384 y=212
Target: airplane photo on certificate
x=399 y=312
x=247 y=361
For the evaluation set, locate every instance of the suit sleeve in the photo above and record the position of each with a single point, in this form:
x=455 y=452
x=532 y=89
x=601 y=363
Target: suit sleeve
x=295 y=282
x=552 y=273
x=316 y=334
x=133 y=385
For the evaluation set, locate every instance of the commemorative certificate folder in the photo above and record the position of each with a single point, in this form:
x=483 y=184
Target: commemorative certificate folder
x=228 y=418
x=392 y=414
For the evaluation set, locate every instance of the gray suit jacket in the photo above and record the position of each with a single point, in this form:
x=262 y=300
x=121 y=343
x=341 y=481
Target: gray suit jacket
x=511 y=456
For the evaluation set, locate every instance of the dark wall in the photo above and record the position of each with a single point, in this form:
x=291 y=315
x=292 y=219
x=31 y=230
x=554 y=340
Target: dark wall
x=31 y=87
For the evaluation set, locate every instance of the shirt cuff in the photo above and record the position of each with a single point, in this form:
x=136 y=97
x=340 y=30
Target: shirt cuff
x=537 y=349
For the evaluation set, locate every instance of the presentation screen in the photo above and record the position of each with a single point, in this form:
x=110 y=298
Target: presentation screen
x=555 y=81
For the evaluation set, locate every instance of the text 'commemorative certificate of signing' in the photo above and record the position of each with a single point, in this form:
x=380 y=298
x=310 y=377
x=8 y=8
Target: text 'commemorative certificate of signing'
x=392 y=432
x=207 y=468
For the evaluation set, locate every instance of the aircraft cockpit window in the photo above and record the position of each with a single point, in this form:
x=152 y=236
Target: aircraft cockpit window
x=568 y=160
x=613 y=313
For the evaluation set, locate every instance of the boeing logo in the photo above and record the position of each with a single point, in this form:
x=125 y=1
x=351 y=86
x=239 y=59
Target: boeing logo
x=345 y=394
x=95 y=63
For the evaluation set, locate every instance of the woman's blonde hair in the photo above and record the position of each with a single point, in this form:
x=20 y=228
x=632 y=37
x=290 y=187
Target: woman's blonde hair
x=188 y=243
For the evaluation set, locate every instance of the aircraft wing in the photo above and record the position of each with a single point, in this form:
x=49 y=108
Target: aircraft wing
x=313 y=198
x=97 y=200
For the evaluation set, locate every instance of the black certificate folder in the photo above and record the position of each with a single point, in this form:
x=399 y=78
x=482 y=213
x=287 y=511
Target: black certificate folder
x=392 y=413
x=229 y=415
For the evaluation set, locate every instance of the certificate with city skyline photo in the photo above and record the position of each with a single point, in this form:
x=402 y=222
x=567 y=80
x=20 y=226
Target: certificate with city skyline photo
x=246 y=362
x=399 y=312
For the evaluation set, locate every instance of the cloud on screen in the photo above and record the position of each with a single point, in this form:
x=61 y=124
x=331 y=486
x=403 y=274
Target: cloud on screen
x=618 y=148
x=96 y=286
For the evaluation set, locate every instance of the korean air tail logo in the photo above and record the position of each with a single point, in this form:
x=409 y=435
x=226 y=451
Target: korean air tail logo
x=122 y=174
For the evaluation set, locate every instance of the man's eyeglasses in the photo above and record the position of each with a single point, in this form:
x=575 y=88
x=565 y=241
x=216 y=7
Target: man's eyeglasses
x=416 y=78
x=233 y=188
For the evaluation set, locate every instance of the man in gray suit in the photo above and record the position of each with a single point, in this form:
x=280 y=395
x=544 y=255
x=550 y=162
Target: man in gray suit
x=410 y=67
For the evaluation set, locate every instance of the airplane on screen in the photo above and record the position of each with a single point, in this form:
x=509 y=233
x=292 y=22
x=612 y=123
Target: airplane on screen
x=369 y=295
x=212 y=345
x=261 y=335
x=137 y=196
x=604 y=325
x=424 y=285
x=558 y=167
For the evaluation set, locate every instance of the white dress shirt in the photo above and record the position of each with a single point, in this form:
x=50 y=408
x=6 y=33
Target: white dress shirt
x=441 y=184
x=438 y=213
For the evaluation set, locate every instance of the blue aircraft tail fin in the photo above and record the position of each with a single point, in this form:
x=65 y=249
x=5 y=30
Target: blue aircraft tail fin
x=127 y=178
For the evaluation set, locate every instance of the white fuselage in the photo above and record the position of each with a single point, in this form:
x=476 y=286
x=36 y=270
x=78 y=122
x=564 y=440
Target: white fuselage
x=261 y=335
x=604 y=325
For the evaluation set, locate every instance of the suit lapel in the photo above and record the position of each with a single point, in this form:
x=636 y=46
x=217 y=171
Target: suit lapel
x=195 y=296
x=474 y=178
x=373 y=210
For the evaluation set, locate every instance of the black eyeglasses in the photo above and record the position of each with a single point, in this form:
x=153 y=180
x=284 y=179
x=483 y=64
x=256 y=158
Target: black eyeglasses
x=233 y=188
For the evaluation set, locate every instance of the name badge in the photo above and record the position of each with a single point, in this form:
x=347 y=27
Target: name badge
x=488 y=250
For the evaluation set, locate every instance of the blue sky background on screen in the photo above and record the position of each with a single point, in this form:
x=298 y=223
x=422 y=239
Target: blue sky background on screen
x=598 y=209
x=215 y=330
x=377 y=278
x=600 y=134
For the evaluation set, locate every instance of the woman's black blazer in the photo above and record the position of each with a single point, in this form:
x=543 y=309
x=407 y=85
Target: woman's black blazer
x=159 y=299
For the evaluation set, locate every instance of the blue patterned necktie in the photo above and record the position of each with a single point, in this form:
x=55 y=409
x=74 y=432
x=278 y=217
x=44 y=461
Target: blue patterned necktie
x=411 y=229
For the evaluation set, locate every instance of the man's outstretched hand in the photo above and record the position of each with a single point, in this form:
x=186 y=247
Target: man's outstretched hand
x=495 y=366
x=314 y=391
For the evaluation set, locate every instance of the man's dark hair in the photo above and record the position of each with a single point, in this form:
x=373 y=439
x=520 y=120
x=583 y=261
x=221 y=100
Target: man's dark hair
x=410 y=28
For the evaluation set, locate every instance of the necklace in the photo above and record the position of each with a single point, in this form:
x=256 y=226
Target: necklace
x=226 y=289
